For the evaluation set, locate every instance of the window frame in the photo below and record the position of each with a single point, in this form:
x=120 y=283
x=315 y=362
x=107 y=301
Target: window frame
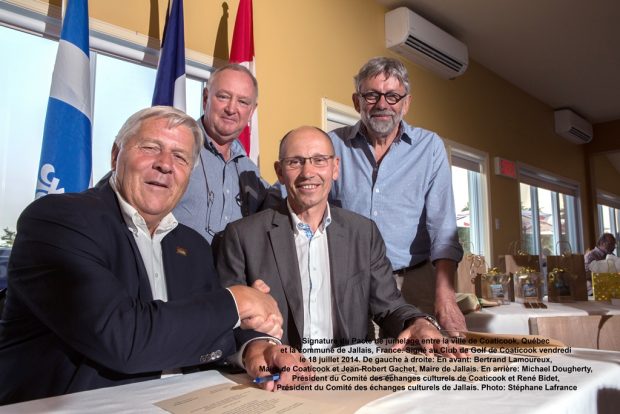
x=539 y=178
x=332 y=111
x=611 y=202
x=463 y=156
x=44 y=20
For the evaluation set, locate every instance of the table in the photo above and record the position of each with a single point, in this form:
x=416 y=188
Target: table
x=597 y=392
x=514 y=317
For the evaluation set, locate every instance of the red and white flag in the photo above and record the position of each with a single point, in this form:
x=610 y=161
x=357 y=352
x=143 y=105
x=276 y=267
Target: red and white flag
x=242 y=51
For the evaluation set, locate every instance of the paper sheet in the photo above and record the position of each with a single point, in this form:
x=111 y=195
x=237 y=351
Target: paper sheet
x=241 y=399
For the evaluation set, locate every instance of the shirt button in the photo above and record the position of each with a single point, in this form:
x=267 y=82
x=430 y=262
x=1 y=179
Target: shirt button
x=156 y=275
x=376 y=190
x=226 y=218
x=375 y=213
x=227 y=191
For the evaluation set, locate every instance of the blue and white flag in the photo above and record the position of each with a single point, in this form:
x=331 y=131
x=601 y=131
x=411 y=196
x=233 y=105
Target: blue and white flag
x=170 y=81
x=66 y=154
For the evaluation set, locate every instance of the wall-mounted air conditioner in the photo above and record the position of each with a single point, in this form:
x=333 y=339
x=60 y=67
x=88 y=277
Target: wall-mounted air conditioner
x=571 y=126
x=423 y=43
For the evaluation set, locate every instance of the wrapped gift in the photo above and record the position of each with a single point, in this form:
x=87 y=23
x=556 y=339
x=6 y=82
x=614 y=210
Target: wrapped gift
x=468 y=268
x=606 y=286
x=494 y=286
x=511 y=264
x=573 y=264
x=528 y=285
x=559 y=285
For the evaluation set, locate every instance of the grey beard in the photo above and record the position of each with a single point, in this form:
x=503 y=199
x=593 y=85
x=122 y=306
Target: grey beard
x=383 y=127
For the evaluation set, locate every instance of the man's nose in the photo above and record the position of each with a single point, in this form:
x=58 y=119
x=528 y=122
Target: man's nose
x=164 y=162
x=231 y=106
x=307 y=168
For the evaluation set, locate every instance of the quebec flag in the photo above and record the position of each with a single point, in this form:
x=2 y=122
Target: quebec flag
x=170 y=80
x=66 y=154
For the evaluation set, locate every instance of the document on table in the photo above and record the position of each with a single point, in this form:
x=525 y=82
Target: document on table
x=231 y=398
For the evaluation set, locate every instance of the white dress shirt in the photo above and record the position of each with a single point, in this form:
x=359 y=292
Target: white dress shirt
x=150 y=251
x=149 y=247
x=313 y=258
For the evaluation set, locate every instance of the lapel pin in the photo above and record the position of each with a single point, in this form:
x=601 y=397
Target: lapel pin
x=182 y=251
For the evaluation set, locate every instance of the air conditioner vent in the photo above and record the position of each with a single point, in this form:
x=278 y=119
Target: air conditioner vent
x=580 y=134
x=571 y=126
x=425 y=44
x=434 y=54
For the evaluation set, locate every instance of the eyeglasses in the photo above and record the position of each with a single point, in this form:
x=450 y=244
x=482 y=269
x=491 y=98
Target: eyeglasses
x=391 y=98
x=295 y=163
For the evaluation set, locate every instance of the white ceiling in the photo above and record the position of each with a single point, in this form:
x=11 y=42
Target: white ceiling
x=566 y=53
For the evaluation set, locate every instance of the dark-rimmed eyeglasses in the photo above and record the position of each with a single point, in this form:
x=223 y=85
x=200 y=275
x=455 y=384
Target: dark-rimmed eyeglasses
x=295 y=163
x=373 y=97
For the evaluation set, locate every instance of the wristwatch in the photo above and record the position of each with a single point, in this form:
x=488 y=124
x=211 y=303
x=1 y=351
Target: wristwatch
x=431 y=320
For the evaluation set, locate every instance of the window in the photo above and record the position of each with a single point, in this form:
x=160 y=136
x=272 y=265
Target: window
x=608 y=207
x=469 y=187
x=121 y=87
x=550 y=215
x=336 y=115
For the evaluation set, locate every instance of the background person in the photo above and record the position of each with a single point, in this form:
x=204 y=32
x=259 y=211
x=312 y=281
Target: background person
x=399 y=176
x=225 y=185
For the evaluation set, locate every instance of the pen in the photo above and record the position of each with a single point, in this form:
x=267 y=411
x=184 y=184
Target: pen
x=260 y=380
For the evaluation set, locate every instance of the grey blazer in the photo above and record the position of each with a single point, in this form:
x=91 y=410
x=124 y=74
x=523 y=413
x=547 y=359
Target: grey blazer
x=261 y=246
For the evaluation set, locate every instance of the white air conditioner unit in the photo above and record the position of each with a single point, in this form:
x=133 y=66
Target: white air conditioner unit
x=571 y=126
x=423 y=43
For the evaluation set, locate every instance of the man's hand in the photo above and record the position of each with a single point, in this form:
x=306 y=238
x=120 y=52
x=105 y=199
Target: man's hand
x=447 y=311
x=261 y=353
x=424 y=334
x=450 y=316
x=257 y=310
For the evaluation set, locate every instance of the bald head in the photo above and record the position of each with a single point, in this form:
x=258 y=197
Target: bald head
x=306 y=131
x=307 y=166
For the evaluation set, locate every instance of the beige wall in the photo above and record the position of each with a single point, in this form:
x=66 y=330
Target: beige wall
x=307 y=50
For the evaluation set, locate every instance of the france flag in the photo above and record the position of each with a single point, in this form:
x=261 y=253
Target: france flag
x=170 y=81
x=66 y=154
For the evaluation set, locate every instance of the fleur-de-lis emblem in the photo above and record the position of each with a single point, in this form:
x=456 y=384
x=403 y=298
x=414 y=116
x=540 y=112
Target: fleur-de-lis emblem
x=47 y=183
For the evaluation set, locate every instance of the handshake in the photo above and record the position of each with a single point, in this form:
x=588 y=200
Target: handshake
x=257 y=309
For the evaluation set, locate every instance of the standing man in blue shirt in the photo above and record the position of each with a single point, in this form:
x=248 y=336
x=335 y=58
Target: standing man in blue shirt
x=399 y=176
x=225 y=185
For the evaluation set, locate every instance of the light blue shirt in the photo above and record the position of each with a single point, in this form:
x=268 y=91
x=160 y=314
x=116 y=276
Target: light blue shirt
x=409 y=195
x=220 y=191
x=313 y=260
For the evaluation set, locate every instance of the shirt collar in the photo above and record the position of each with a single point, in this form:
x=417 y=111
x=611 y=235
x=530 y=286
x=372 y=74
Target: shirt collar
x=299 y=226
x=358 y=131
x=135 y=221
x=236 y=149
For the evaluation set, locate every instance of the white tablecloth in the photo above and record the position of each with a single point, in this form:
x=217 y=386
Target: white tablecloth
x=514 y=317
x=598 y=392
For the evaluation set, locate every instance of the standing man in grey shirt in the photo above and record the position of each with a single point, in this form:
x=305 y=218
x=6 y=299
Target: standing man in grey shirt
x=399 y=176
x=225 y=184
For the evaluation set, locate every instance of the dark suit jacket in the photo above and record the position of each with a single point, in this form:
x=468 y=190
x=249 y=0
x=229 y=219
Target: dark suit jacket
x=261 y=246
x=79 y=312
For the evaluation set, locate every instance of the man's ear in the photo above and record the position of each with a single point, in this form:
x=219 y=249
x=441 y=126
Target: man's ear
x=356 y=102
x=115 y=151
x=205 y=96
x=278 y=168
x=406 y=103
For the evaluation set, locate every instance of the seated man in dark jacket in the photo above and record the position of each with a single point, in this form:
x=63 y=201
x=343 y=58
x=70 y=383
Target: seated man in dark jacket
x=326 y=266
x=106 y=288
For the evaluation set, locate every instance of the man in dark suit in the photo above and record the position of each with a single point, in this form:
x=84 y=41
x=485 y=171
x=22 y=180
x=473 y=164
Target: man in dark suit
x=326 y=267
x=106 y=288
